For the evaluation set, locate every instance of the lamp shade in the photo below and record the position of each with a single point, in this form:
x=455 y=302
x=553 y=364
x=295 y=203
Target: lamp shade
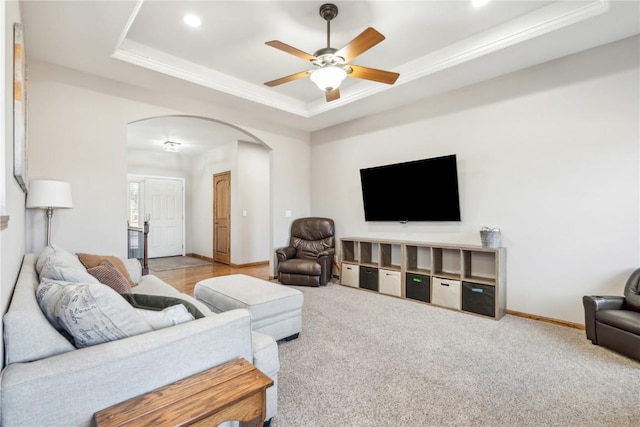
x=329 y=77
x=49 y=194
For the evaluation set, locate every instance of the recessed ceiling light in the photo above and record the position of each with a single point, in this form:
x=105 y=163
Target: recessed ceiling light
x=192 y=21
x=172 y=147
x=479 y=3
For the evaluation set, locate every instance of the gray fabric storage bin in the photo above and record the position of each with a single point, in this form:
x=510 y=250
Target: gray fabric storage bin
x=369 y=278
x=479 y=299
x=418 y=287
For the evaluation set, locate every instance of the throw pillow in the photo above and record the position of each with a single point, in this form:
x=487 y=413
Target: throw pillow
x=43 y=256
x=91 y=260
x=109 y=275
x=58 y=264
x=170 y=316
x=66 y=274
x=160 y=302
x=92 y=313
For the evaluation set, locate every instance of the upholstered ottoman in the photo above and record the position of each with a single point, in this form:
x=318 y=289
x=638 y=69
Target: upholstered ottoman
x=275 y=309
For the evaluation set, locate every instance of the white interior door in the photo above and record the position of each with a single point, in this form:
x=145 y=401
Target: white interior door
x=164 y=200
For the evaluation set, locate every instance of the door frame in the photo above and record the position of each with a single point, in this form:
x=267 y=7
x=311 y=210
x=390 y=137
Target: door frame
x=142 y=197
x=213 y=214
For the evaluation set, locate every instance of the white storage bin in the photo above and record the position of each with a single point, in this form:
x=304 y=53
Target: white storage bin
x=446 y=293
x=350 y=275
x=390 y=282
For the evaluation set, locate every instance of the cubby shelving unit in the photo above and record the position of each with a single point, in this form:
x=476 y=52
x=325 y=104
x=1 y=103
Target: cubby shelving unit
x=467 y=278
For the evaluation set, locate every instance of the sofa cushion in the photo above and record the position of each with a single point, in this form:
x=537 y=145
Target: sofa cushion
x=92 y=313
x=92 y=260
x=28 y=336
x=622 y=319
x=265 y=353
x=58 y=264
x=170 y=316
x=108 y=274
x=300 y=266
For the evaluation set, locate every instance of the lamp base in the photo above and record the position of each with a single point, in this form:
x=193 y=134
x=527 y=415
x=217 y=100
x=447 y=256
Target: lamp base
x=49 y=215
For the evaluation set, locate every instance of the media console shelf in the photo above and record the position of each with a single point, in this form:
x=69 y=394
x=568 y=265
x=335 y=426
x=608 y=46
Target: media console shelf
x=467 y=278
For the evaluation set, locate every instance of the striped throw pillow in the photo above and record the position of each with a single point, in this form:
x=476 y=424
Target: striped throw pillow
x=109 y=275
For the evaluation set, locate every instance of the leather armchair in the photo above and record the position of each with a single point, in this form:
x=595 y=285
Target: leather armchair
x=614 y=321
x=308 y=260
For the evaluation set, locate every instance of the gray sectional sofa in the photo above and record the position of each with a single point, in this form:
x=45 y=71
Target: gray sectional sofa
x=47 y=381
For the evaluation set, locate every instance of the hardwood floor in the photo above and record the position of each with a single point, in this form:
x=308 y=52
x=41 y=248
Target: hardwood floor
x=185 y=279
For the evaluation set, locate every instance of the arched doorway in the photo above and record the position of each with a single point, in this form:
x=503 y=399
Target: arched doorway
x=206 y=147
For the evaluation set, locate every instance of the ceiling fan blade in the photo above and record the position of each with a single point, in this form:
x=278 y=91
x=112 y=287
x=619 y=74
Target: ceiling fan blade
x=290 y=49
x=380 y=76
x=365 y=41
x=332 y=95
x=287 y=79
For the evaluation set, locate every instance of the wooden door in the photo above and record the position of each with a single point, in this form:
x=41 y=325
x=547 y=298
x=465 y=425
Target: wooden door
x=164 y=200
x=222 y=217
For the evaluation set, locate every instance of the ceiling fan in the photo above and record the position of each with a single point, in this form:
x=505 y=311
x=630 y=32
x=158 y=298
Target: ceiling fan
x=332 y=66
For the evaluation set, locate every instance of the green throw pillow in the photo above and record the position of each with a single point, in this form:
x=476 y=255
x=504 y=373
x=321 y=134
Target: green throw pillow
x=159 y=303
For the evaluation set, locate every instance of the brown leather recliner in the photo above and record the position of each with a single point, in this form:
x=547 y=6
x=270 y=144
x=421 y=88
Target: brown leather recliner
x=614 y=321
x=308 y=260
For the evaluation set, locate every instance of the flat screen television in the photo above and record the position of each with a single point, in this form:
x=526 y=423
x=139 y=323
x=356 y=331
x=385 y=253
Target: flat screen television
x=420 y=190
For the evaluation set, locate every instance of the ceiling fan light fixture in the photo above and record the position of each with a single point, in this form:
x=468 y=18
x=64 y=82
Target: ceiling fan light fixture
x=172 y=147
x=479 y=3
x=192 y=20
x=328 y=78
x=333 y=65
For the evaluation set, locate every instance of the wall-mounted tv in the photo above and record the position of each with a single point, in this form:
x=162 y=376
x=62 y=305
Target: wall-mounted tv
x=420 y=190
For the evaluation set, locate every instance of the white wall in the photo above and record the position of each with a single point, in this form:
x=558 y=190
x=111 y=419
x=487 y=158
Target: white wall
x=549 y=154
x=12 y=246
x=78 y=130
x=79 y=135
x=249 y=166
x=252 y=216
x=287 y=187
x=143 y=162
x=221 y=159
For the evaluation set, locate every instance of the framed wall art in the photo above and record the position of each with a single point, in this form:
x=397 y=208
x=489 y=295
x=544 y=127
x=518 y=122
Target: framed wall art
x=19 y=109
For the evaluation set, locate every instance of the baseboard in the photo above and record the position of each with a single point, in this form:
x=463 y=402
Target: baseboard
x=531 y=316
x=250 y=264
x=519 y=314
x=202 y=257
x=547 y=319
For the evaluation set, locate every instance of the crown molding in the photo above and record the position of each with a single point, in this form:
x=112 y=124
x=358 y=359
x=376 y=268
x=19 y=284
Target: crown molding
x=534 y=24
x=539 y=22
x=155 y=60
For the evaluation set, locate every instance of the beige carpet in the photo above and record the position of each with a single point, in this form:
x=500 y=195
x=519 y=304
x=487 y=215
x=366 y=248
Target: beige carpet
x=364 y=359
x=175 y=262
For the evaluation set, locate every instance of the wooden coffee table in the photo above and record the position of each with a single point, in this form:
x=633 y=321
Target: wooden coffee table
x=233 y=391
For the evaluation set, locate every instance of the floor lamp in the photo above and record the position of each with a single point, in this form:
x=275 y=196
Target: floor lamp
x=49 y=195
